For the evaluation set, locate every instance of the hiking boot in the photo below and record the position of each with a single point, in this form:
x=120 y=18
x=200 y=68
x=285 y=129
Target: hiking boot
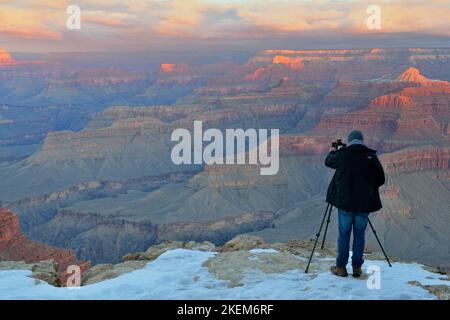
x=357 y=272
x=339 y=271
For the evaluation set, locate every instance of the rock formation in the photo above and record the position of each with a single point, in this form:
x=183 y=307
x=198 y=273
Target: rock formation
x=413 y=160
x=393 y=100
x=14 y=246
x=5 y=58
x=412 y=75
x=293 y=63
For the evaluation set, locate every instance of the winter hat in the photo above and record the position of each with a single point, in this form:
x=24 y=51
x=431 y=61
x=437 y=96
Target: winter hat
x=355 y=134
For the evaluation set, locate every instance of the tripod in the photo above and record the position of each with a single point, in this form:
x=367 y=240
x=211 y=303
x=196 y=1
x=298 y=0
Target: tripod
x=328 y=213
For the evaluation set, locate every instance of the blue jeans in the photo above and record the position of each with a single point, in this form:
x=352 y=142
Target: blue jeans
x=347 y=220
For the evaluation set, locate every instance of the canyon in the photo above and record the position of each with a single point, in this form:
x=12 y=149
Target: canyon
x=105 y=186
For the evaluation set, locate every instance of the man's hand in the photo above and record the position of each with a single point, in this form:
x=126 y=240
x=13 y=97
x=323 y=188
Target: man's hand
x=333 y=149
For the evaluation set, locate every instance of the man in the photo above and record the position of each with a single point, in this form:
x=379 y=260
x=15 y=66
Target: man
x=354 y=191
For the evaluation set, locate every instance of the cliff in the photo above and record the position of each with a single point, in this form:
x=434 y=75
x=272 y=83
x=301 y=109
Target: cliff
x=293 y=63
x=417 y=159
x=14 y=246
x=411 y=75
x=9 y=226
x=393 y=100
x=105 y=238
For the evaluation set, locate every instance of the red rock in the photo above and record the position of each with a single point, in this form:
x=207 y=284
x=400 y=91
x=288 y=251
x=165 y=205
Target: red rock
x=412 y=75
x=167 y=67
x=14 y=246
x=292 y=62
x=9 y=226
x=304 y=145
x=5 y=58
x=393 y=100
x=411 y=160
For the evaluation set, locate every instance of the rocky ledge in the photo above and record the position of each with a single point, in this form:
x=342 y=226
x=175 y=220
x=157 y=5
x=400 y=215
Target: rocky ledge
x=239 y=265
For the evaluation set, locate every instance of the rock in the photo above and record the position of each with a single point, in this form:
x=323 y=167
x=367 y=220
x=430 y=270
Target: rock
x=14 y=246
x=304 y=247
x=155 y=251
x=442 y=292
x=5 y=58
x=216 y=230
x=14 y=265
x=103 y=272
x=9 y=225
x=244 y=242
x=444 y=270
x=201 y=246
x=47 y=271
x=412 y=75
x=131 y=256
x=98 y=269
x=233 y=265
x=393 y=100
x=421 y=158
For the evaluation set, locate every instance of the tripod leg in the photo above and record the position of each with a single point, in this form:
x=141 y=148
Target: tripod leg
x=382 y=249
x=317 y=238
x=326 y=227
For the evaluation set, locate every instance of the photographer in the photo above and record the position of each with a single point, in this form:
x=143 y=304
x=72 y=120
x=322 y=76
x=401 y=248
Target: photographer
x=354 y=191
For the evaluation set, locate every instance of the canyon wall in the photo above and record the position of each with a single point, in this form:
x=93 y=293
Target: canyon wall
x=14 y=246
x=412 y=160
x=105 y=238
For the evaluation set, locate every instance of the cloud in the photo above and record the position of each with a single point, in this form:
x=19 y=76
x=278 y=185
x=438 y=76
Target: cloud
x=108 y=19
x=21 y=23
x=288 y=17
x=226 y=20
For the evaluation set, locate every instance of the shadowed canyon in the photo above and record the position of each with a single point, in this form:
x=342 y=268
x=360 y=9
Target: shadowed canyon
x=85 y=150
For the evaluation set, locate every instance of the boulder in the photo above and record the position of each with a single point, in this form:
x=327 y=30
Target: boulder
x=442 y=292
x=233 y=265
x=132 y=256
x=244 y=242
x=155 y=251
x=200 y=246
x=47 y=271
x=14 y=265
x=108 y=271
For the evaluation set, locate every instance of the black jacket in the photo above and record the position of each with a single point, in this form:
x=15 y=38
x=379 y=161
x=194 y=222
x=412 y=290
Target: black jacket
x=358 y=176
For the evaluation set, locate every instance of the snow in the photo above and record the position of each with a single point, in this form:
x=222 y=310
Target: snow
x=258 y=250
x=179 y=274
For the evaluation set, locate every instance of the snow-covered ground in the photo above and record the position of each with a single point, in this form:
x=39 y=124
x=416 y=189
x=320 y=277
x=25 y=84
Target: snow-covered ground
x=179 y=274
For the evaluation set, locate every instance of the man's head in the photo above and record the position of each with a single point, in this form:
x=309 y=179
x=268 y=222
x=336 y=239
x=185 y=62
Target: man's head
x=355 y=134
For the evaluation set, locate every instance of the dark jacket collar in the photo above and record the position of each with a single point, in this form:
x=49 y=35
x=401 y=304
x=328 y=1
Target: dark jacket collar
x=359 y=148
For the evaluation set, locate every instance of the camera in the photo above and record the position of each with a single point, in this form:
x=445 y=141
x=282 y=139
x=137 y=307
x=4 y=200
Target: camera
x=338 y=144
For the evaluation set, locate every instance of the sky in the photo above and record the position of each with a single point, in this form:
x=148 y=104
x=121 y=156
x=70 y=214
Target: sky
x=159 y=25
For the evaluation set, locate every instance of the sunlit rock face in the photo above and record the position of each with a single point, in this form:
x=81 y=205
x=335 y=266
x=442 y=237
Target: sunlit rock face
x=5 y=58
x=412 y=75
x=293 y=63
x=167 y=67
